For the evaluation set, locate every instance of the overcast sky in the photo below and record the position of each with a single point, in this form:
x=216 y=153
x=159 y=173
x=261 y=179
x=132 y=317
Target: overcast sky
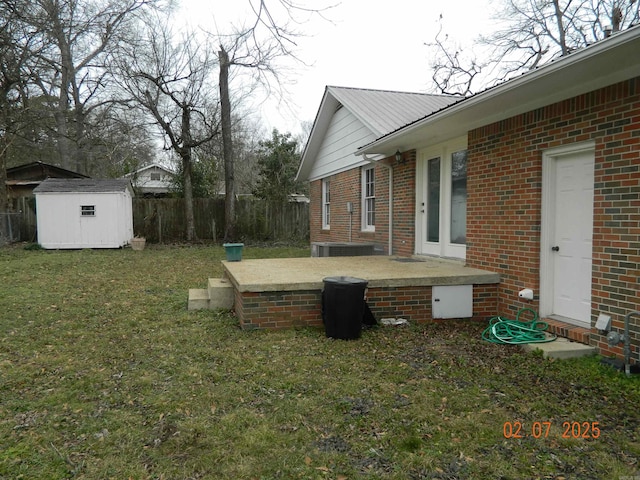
x=364 y=44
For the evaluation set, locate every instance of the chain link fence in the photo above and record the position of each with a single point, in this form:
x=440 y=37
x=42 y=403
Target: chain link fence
x=10 y=227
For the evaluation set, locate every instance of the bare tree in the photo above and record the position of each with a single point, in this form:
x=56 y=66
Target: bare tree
x=17 y=46
x=529 y=33
x=77 y=37
x=171 y=81
x=255 y=48
x=246 y=136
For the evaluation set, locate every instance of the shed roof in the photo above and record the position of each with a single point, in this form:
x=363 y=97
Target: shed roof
x=83 y=185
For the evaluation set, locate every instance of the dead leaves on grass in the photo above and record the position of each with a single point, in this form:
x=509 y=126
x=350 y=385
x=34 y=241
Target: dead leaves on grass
x=323 y=468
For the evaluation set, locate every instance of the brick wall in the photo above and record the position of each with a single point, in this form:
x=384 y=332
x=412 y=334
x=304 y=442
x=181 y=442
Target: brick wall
x=414 y=303
x=347 y=187
x=504 y=203
x=404 y=199
x=271 y=310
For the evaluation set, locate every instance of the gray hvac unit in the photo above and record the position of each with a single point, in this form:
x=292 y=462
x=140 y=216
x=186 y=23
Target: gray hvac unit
x=341 y=249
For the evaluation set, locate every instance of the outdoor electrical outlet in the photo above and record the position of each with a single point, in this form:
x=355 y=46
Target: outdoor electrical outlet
x=526 y=294
x=603 y=323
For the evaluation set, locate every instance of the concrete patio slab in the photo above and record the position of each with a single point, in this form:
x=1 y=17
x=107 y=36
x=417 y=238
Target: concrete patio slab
x=307 y=273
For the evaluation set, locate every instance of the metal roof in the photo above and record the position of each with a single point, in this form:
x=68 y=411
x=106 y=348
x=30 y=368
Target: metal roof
x=604 y=63
x=83 y=185
x=381 y=111
x=385 y=111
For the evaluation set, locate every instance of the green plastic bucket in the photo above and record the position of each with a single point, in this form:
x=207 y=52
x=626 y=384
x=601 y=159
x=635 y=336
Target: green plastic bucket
x=233 y=251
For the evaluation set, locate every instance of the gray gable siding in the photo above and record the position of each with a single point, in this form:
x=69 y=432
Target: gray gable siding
x=385 y=111
x=343 y=137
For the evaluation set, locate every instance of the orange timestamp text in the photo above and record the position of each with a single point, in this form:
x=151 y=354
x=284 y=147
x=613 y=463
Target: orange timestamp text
x=542 y=429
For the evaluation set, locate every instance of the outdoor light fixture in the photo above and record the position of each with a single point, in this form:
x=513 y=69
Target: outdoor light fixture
x=399 y=157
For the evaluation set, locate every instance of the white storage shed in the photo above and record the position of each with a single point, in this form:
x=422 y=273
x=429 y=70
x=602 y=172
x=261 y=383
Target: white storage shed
x=84 y=213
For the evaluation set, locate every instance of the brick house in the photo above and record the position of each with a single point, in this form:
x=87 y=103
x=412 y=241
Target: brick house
x=537 y=179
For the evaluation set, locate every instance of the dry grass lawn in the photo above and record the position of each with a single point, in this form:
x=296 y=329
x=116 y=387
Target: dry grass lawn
x=104 y=374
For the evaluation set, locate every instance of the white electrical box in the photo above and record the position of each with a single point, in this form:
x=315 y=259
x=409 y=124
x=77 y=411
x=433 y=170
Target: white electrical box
x=604 y=322
x=452 y=301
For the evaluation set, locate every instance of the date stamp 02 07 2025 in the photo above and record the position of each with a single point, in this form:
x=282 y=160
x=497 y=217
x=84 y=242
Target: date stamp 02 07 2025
x=570 y=430
x=542 y=429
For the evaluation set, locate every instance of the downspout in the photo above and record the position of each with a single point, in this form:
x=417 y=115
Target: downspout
x=390 y=169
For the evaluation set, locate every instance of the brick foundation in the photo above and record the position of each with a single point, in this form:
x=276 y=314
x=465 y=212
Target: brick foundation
x=302 y=308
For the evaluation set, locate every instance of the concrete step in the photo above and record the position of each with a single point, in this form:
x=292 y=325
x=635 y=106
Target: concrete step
x=561 y=348
x=198 y=299
x=220 y=293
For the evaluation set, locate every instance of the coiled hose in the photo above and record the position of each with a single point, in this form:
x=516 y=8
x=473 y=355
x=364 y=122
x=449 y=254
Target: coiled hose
x=516 y=332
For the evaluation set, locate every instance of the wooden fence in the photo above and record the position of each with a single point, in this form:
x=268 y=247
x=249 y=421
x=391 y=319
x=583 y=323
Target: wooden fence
x=162 y=220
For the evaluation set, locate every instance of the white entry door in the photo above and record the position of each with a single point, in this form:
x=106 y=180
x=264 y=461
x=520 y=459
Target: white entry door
x=570 y=236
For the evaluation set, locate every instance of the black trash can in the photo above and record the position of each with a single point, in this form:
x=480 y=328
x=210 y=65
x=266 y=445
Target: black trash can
x=343 y=306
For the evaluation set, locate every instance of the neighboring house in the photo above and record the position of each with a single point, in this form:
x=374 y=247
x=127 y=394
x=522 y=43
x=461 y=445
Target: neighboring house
x=298 y=198
x=152 y=181
x=21 y=180
x=537 y=179
x=84 y=213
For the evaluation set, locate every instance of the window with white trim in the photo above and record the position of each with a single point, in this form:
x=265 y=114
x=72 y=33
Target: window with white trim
x=326 y=203
x=369 y=199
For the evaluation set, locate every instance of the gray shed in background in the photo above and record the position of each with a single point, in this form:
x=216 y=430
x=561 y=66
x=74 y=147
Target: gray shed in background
x=84 y=213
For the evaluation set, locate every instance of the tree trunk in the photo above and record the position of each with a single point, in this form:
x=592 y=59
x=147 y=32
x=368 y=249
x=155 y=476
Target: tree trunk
x=66 y=70
x=227 y=147
x=80 y=152
x=62 y=134
x=185 y=155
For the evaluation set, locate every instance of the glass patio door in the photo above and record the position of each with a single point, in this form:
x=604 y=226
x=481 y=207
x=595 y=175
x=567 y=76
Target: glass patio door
x=441 y=213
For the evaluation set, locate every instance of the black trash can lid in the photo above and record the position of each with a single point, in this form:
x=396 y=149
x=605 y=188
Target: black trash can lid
x=345 y=280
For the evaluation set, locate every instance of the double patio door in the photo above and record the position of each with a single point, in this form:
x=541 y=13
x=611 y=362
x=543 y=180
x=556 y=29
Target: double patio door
x=442 y=200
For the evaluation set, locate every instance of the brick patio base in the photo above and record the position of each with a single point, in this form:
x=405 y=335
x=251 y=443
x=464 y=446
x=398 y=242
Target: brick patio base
x=302 y=308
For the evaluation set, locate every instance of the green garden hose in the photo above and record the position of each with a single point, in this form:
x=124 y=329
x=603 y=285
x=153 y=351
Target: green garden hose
x=516 y=332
